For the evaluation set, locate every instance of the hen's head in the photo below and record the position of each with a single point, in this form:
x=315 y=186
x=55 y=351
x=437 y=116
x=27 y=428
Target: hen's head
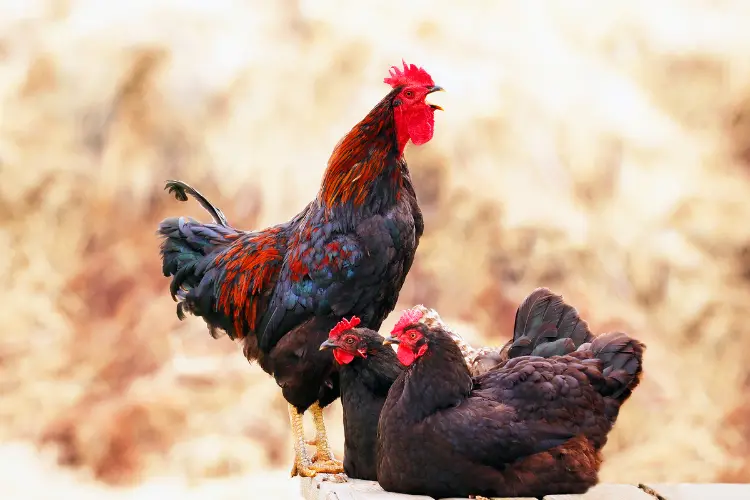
x=415 y=118
x=347 y=341
x=410 y=333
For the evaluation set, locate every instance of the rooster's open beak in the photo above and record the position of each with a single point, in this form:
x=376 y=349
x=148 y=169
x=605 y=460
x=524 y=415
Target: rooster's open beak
x=391 y=340
x=328 y=344
x=435 y=88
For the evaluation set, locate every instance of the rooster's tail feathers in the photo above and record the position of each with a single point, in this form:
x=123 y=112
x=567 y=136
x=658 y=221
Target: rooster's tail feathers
x=181 y=190
x=188 y=250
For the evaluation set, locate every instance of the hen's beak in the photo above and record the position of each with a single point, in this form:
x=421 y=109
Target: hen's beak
x=391 y=340
x=435 y=88
x=328 y=344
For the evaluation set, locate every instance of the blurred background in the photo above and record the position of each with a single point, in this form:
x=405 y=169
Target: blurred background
x=597 y=148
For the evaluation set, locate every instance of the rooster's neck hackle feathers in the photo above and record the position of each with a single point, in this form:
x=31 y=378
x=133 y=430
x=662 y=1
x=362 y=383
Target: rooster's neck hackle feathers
x=365 y=157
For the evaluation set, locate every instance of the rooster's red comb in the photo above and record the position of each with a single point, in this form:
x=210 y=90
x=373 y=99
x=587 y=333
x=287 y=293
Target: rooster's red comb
x=408 y=317
x=411 y=75
x=342 y=326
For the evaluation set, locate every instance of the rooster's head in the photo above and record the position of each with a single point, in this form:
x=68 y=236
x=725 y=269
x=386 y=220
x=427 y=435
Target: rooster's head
x=414 y=117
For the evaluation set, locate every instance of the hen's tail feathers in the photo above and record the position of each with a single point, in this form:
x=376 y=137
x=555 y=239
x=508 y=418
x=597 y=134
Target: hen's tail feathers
x=180 y=190
x=622 y=363
x=547 y=326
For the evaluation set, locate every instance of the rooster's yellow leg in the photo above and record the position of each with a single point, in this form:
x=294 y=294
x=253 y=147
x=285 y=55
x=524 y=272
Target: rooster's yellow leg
x=323 y=461
x=302 y=462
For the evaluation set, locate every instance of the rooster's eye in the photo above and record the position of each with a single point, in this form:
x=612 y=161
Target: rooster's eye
x=350 y=340
x=409 y=93
x=413 y=335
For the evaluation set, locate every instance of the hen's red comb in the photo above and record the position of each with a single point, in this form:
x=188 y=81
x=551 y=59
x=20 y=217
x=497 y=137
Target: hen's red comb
x=342 y=326
x=411 y=75
x=408 y=317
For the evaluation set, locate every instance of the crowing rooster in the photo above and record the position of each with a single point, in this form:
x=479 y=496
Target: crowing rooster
x=281 y=289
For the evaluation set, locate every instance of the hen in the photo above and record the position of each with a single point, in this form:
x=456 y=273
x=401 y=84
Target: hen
x=369 y=368
x=532 y=426
x=281 y=289
x=545 y=326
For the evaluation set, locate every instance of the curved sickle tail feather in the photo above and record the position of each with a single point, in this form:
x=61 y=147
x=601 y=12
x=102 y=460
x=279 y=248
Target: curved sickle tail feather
x=180 y=190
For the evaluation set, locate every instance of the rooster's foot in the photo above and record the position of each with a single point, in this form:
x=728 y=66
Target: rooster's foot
x=477 y=497
x=332 y=469
x=303 y=469
x=325 y=456
x=329 y=466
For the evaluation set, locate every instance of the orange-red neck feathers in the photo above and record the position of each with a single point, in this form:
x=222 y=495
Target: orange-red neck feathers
x=372 y=150
x=362 y=157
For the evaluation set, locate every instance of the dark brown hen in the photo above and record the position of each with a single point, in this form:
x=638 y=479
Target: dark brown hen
x=368 y=369
x=532 y=426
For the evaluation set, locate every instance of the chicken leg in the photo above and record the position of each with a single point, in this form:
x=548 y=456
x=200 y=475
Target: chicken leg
x=302 y=462
x=303 y=466
x=323 y=460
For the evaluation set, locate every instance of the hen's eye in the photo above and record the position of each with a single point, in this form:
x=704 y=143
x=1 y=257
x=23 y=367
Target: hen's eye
x=350 y=340
x=413 y=335
x=409 y=93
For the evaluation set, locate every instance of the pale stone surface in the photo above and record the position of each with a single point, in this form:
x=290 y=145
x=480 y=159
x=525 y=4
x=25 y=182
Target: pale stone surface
x=354 y=489
x=495 y=498
x=318 y=488
x=607 y=492
x=687 y=491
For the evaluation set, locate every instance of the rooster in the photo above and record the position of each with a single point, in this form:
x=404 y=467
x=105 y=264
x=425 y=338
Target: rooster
x=545 y=326
x=281 y=289
x=530 y=427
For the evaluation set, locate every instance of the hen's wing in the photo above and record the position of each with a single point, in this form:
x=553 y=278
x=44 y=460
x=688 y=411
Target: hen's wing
x=529 y=405
x=491 y=433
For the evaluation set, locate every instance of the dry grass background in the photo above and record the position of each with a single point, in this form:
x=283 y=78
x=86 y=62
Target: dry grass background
x=598 y=148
